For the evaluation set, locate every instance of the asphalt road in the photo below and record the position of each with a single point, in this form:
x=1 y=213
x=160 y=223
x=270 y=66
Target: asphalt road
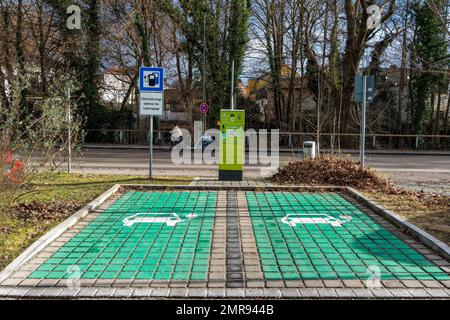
x=414 y=171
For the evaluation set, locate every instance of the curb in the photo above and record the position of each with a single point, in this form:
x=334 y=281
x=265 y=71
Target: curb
x=224 y=293
x=47 y=238
x=295 y=188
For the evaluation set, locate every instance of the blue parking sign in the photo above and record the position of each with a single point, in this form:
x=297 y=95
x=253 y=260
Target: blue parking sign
x=151 y=79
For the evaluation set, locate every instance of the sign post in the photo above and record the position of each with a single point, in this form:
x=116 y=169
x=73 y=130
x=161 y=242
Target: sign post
x=364 y=91
x=69 y=134
x=362 y=142
x=151 y=101
x=204 y=108
x=150 y=148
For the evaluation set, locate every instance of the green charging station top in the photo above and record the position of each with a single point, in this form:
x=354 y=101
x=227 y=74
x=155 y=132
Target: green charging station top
x=232 y=139
x=232 y=119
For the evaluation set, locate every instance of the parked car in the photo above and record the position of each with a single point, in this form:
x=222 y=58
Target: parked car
x=204 y=142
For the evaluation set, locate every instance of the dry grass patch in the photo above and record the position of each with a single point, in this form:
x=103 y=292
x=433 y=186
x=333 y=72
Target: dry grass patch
x=51 y=198
x=428 y=211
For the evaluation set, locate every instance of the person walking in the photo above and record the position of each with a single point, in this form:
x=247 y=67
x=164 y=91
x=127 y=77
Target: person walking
x=176 y=135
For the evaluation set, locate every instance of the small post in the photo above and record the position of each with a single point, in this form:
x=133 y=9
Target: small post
x=69 y=134
x=150 y=147
x=204 y=69
x=332 y=143
x=363 y=124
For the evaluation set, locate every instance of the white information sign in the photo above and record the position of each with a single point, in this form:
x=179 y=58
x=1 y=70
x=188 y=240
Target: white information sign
x=151 y=103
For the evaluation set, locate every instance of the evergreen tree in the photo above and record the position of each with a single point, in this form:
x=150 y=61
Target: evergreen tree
x=429 y=56
x=227 y=27
x=81 y=53
x=90 y=79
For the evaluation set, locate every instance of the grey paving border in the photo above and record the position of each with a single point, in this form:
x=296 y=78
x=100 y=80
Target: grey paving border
x=411 y=229
x=234 y=259
x=220 y=293
x=296 y=188
x=47 y=238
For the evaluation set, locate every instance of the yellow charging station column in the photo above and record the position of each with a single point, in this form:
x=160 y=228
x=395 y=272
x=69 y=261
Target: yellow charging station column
x=232 y=145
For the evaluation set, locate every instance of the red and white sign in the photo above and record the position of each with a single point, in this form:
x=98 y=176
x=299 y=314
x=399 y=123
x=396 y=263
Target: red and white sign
x=204 y=107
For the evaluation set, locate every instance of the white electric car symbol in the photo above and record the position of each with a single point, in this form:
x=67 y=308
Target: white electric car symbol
x=170 y=219
x=317 y=218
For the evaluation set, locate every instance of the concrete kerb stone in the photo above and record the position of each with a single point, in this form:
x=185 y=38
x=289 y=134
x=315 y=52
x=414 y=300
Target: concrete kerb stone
x=293 y=188
x=50 y=236
x=419 y=234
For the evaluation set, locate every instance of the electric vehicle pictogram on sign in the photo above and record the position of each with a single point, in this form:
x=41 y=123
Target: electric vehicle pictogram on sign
x=151 y=79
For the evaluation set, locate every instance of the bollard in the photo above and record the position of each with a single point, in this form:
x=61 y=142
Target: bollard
x=309 y=150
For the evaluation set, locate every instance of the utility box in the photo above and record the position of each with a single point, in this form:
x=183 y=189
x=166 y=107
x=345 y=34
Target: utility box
x=309 y=149
x=231 y=145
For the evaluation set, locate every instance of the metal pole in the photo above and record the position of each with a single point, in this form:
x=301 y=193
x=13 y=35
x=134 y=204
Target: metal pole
x=363 y=124
x=204 y=56
x=232 y=85
x=204 y=68
x=69 y=135
x=150 y=147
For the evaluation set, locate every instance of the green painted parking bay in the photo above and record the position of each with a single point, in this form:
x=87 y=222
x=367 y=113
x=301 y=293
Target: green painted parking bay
x=323 y=236
x=142 y=235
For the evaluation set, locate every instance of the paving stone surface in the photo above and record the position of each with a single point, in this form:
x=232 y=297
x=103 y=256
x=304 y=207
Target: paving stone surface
x=237 y=244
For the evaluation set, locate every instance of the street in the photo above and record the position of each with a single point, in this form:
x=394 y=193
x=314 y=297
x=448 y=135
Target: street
x=427 y=172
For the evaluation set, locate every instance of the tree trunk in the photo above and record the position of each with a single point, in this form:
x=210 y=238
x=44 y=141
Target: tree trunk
x=41 y=49
x=431 y=122
x=357 y=35
x=447 y=110
x=4 y=98
x=437 y=120
x=21 y=59
x=129 y=91
x=402 y=70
